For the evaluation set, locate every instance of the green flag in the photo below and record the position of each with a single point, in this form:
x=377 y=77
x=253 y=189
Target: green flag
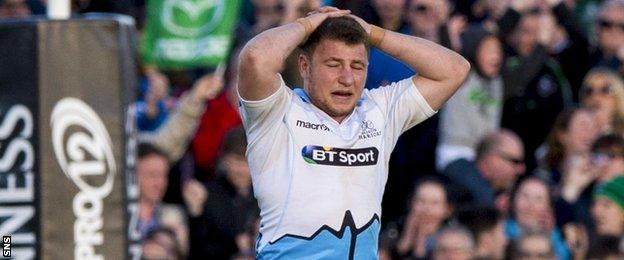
x=183 y=34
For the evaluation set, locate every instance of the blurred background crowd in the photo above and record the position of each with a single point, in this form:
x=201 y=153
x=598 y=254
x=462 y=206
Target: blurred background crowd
x=526 y=161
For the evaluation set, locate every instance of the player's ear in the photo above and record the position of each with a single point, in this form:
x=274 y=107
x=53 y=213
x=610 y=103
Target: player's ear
x=304 y=64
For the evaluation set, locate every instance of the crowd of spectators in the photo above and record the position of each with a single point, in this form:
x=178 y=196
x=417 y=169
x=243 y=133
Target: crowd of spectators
x=525 y=161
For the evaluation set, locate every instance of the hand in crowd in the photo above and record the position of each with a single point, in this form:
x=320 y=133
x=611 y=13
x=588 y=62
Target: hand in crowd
x=195 y=195
x=546 y=31
x=208 y=87
x=158 y=90
x=577 y=239
x=244 y=242
x=578 y=174
x=546 y=219
x=523 y=5
x=456 y=26
x=541 y=219
x=158 y=83
x=415 y=233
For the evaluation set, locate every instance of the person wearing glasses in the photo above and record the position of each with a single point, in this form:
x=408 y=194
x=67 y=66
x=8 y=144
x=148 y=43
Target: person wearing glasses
x=603 y=93
x=427 y=19
x=610 y=34
x=499 y=161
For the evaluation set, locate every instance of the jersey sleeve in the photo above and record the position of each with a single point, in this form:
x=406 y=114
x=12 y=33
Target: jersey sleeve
x=261 y=114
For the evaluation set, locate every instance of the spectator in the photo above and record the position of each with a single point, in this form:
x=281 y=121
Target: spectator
x=384 y=69
x=221 y=115
x=606 y=248
x=160 y=148
x=535 y=89
x=152 y=168
x=568 y=144
x=608 y=208
x=605 y=163
x=499 y=161
x=487 y=226
x=453 y=242
x=160 y=243
x=568 y=167
x=264 y=15
x=416 y=148
x=390 y=14
x=427 y=19
x=532 y=210
x=155 y=103
x=475 y=110
x=569 y=46
x=532 y=246
x=577 y=239
x=610 y=30
x=222 y=222
x=173 y=137
x=429 y=209
x=608 y=157
x=603 y=92
x=14 y=9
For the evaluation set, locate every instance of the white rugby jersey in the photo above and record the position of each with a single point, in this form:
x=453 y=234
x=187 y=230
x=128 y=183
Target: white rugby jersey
x=318 y=183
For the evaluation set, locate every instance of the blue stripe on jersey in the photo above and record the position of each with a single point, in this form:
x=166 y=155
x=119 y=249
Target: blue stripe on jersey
x=348 y=243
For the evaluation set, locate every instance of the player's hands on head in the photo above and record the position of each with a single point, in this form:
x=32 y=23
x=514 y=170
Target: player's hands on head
x=364 y=24
x=319 y=15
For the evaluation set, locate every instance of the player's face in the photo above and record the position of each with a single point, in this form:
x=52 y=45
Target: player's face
x=334 y=78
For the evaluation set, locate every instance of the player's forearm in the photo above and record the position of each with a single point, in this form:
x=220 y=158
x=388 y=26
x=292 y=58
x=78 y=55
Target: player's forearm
x=268 y=50
x=428 y=59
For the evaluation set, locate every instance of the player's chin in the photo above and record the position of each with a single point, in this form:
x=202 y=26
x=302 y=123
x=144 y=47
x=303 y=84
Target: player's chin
x=341 y=110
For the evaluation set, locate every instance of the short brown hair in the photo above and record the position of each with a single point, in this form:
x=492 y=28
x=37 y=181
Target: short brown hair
x=343 y=28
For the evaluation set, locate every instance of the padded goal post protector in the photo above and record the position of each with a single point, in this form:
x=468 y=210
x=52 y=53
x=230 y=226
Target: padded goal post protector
x=68 y=186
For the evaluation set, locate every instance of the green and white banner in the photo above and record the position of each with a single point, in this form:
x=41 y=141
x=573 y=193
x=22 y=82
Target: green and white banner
x=182 y=34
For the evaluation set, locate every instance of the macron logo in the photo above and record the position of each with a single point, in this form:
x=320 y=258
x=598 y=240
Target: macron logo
x=309 y=125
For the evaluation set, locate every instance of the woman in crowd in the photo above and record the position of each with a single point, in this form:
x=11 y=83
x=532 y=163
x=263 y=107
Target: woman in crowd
x=429 y=209
x=603 y=93
x=475 y=110
x=567 y=144
x=532 y=211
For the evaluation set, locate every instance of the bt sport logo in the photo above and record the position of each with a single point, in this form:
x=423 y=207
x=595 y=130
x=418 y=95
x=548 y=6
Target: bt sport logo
x=314 y=154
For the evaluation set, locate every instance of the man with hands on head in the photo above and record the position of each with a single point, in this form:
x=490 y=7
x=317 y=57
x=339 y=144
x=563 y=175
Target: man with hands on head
x=318 y=156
